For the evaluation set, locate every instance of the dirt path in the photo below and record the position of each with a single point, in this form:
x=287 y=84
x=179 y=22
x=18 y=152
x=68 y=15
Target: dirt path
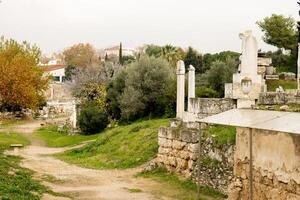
x=77 y=182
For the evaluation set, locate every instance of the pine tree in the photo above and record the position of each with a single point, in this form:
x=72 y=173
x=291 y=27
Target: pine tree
x=194 y=58
x=120 y=54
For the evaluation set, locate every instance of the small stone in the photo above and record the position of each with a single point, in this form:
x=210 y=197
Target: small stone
x=284 y=108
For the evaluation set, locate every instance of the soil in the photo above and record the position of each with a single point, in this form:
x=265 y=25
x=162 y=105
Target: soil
x=80 y=183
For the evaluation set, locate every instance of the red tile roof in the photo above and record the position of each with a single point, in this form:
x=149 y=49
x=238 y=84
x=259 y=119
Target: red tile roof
x=52 y=67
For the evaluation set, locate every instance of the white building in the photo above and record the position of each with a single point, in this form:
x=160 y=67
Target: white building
x=114 y=51
x=56 y=71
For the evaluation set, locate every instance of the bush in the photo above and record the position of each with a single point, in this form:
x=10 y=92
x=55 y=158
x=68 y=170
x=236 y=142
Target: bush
x=92 y=119
x=206 y=92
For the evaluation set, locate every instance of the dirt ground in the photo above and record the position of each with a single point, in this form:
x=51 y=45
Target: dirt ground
x=80 y=183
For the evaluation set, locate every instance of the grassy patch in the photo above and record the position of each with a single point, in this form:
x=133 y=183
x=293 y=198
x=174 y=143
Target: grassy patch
x=210 y=162
x=51 y=179
x=292 y=107
x=286 y=84
x=222 y=134
x=179 y=189
x=121 y=147
x=17 y=183
x=6 y=139
x=54 y=138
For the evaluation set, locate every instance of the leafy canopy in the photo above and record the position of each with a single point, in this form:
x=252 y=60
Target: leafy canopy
x=22 y=83
x=80 y=55
x=279 y=31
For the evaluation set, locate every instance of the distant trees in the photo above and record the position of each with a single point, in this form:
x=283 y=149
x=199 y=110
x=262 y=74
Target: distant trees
x=209 y=59
x=80 y=55
x=153 y=50
x=194 y=58
x=168 y=52
x=219 y=74
x=22 y=83
x=121 y=54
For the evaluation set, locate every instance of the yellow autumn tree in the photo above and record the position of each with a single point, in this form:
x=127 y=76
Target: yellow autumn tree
x=22 y=83
x=80 y=55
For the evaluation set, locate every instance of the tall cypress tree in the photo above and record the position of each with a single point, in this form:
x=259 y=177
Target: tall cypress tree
x=120 y=54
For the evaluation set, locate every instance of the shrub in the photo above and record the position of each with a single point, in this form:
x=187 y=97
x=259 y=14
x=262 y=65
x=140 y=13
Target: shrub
x=92 y=119
x=206 y=92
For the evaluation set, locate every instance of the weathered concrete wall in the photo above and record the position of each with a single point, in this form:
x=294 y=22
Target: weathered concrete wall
x=204 y=107
x=179 y=150
x=277 y=98
x=276 y=163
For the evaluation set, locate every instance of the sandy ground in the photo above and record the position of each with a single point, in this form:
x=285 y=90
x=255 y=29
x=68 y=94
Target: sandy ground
x=77 y=182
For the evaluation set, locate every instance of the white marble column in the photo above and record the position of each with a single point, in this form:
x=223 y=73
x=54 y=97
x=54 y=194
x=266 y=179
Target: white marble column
x=191 y=92
x=180 y=89
x=298 y=64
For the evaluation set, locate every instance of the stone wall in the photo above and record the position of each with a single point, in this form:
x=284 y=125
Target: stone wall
x=179 y=150
x=276 y=163
x=278 y=98
x=58 y=91
x=203 y=107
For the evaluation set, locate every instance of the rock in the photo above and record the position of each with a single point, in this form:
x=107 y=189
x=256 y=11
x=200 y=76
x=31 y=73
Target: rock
x=284 y=108
x=151 y=166
x=182 y=164
x=194 y=148
x=178 y=144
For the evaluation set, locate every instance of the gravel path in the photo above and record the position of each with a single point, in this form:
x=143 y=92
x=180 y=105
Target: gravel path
x=80 y=183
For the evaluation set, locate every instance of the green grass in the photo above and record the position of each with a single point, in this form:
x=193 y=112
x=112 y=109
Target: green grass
x=6 y=139
x=17 y=183
x=222 y=134
x=210 y=162
x=286 y=84
x=121 y=147
x=54 y=138
x=180 y=189
x=292 y=107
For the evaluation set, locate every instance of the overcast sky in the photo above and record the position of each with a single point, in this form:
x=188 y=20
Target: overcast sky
x=207 y=25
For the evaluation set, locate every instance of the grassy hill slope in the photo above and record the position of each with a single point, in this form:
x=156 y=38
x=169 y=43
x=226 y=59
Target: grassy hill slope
x=121 y=147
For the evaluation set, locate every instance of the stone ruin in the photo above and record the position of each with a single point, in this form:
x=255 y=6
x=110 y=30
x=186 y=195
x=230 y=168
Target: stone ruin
x=178 y=143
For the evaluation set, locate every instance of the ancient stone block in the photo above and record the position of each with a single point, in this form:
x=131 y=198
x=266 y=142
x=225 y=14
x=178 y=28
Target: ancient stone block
x=194 y=148
x=162 y=132
x=189 y=136
x=172 y=161
x=184 y=155
x=182 y=164
x=178 y=144
x=191 y=164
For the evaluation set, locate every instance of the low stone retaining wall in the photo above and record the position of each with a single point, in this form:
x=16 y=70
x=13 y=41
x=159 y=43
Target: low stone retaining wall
x=179 y=152
x=278 y=98
x=204 y=107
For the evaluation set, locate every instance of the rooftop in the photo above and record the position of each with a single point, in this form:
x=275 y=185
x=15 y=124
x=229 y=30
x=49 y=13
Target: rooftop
x=52 y=67
x=288 y=122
